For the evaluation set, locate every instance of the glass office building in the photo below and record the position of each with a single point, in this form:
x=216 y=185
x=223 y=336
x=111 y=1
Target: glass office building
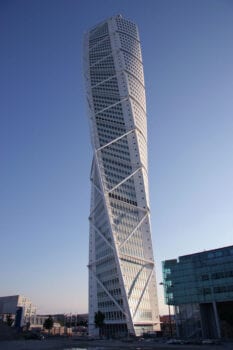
x=200 y=286
x=122 y=281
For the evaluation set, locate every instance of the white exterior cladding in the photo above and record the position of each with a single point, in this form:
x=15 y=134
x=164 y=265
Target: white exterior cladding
x=122 y=281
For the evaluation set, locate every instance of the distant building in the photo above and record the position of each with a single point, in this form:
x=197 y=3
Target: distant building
x=70 y=319
x=63 y=323
x=18 y=306
x=200 y=286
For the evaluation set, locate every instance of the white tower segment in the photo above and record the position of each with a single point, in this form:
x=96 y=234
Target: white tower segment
x=122 y=281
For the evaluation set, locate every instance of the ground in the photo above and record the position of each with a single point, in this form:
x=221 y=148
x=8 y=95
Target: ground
x=75 y=344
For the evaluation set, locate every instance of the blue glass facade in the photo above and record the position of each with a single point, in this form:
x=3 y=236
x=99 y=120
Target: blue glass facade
x=200 y=286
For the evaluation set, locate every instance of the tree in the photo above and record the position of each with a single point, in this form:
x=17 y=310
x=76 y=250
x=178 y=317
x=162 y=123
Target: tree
x=99 y=321
x=9 y=320
x=48 y=323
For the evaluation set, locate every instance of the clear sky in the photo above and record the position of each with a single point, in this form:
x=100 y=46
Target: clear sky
x=45 y=153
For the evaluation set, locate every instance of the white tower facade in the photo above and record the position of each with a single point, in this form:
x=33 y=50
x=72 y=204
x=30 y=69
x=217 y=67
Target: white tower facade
x=122 y=281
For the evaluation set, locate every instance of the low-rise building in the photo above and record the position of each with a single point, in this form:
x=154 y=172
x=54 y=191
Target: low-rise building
x=35 y=322
x=18 y=306
x=200 y=286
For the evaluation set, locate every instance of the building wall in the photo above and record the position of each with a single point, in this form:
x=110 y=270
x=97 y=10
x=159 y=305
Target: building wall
x=8 y=304
x=121 y=280
x=29 y=308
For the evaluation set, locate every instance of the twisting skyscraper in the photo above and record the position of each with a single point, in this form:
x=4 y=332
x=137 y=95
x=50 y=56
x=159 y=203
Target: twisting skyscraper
x=122 y=281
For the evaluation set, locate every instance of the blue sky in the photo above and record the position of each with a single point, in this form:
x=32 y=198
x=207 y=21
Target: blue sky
x=45 y=152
